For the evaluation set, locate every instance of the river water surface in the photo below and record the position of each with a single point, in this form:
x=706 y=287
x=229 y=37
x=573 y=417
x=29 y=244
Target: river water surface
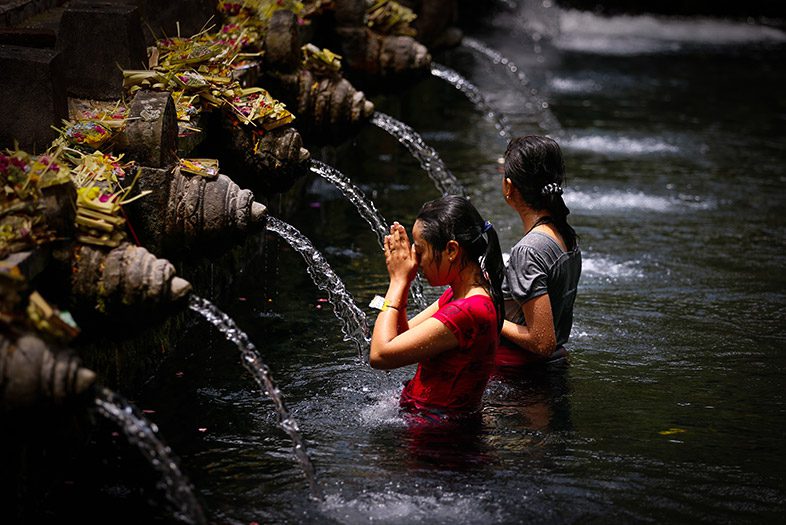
x=671 y=407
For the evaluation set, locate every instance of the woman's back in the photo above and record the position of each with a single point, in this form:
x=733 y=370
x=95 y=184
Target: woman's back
x=538 y=265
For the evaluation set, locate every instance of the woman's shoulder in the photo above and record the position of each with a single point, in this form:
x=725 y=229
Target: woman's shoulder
x=478 y=305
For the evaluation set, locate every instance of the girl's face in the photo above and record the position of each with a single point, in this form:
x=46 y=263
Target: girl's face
x=437 y=273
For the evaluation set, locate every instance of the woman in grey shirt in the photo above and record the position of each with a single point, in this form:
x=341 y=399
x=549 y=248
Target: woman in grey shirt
x=543 y=271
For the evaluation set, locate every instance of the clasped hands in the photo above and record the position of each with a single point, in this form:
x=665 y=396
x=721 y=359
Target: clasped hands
x=400 y=256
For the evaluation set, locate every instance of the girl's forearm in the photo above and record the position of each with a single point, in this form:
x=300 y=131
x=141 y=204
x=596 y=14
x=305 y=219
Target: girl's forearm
x=397 y=295
x=523 y=337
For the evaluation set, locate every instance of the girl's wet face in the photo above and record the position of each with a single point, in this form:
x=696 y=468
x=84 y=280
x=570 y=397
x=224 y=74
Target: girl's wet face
x=435 y=272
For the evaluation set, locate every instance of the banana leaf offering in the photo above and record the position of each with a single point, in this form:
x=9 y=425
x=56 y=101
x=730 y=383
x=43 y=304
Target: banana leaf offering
x=390 y=18
x=100 y=193
x=22 y=177
x=252 y=106
x=323 y=62
x=87 y=132
x=207 y=168
x=48 y=319
x=92 y=125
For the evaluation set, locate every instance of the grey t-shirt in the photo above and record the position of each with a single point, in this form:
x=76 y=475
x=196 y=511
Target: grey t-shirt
x=538 y=265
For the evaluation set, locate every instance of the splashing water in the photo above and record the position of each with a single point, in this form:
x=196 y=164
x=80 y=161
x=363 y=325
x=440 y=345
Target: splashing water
x=368 y=211
x=261 y=373
x=547 y=120
x=354 y=325
x=472 y=92
x=366 y=208
x=143 y=435
x=428 y=158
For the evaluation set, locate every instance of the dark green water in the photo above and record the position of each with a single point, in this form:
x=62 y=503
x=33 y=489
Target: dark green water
x=671 y=408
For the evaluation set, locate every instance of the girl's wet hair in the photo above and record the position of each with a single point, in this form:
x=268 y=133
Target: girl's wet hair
x=455 y=218
x=535 y=166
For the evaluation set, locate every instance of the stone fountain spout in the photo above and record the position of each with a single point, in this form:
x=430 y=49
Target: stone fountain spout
x=33 y=374
x=127 y=275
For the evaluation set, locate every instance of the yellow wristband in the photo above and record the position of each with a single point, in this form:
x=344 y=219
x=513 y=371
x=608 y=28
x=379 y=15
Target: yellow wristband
x=380 y=303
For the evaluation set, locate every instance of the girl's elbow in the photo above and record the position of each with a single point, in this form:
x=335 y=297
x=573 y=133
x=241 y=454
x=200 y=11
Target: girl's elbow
x=377 y=360
x=545 y=347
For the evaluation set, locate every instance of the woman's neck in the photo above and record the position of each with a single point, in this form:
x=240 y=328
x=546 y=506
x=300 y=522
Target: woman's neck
x=530 y=217
x=468 y=282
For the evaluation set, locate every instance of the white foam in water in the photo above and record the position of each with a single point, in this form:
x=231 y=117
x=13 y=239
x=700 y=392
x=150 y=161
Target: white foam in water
x=618 y=145
x=384 y=410
x=395 y=507
x=632 y=35
x=572 y=85
x=604 y=267
x=620 y=200
x=617 y=200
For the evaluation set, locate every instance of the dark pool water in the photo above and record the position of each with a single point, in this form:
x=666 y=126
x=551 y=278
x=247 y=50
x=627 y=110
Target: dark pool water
x=671 y=408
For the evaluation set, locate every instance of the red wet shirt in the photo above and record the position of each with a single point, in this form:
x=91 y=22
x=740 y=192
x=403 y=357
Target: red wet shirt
x=453 y=381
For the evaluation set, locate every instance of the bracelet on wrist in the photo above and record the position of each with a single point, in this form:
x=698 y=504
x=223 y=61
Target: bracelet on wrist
x=381 y=303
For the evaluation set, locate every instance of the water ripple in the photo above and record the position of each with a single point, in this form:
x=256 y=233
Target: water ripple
x=618 y=145
x=636 y=35
x=621 y=200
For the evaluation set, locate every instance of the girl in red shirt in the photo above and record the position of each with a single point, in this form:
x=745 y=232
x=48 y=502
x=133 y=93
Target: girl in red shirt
x=453 y=340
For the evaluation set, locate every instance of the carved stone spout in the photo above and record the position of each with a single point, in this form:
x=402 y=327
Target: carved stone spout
x=33 y=375
x=268 y=162
x=325 y=104
x=329 y=107
x=199 y=207
x=127 y=275
x=183 y=210
x=368 y=52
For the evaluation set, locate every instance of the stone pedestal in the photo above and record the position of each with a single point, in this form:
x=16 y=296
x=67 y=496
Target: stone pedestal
x=151 y=132
x=97 y=41
x=32 y=97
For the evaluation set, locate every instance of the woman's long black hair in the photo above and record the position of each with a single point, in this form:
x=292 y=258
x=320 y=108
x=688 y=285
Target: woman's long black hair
x=453 y=217
x=535 y=166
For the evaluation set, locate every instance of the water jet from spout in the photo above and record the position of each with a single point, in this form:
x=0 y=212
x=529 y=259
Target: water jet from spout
x=472 y=92
x=428 y=158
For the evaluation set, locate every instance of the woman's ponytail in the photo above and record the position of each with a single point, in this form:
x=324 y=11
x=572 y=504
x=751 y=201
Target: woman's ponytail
x=493 y=269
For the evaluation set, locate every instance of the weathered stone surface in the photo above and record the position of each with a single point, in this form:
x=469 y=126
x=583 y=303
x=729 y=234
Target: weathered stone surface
x=151 y=132
x=381 y=55
x=350 y=12
x=58 y=206
x=124 y=276
x=147 y=215
x=282 y=42
x=27 y=37
x=204 y=209
x=183 y=17
x=15 y=12
x=435 y=22
x=98 y=40
x=272 y=166
x=328 y=109
x=188 y=209
x=33 y=374
x=32 y=96
x=397 y=54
